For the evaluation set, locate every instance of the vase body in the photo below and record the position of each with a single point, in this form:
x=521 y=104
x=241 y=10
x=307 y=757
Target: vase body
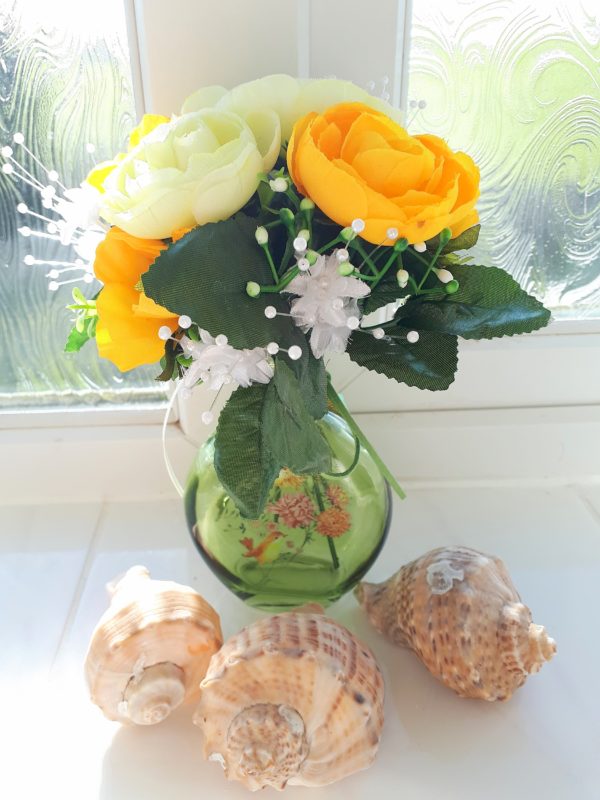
x=316 y=538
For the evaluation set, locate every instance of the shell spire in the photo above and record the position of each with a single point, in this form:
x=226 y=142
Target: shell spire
x=459 y=611
x=293 y=698
x=150 y=649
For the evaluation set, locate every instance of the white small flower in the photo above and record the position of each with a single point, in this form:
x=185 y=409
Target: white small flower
x=326 y=301
x=218 y=364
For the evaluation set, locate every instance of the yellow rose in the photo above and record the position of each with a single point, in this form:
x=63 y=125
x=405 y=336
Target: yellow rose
x=354 y=162
x=198 y=168
x=290 y=98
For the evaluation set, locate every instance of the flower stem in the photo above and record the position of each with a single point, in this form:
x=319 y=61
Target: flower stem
x=339 y=407
x=334 y=556
x=358 y=246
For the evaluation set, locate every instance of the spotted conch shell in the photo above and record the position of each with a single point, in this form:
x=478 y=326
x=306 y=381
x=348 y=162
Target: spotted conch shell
x=150 y=649
x=460 y=612
x=293 y=698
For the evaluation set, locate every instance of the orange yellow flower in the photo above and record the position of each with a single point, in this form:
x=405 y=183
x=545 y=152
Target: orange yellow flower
x=355 y=162
x=128 y=320
x=333 y=522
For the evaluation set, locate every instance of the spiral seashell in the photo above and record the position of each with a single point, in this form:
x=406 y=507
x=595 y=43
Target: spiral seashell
x=461 y=614
x=293 y=698
x=150 y=649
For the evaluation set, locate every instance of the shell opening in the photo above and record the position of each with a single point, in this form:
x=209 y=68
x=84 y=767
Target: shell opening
x=153 y=694
x=266 y=744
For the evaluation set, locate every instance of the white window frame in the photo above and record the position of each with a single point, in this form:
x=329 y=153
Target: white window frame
x=180 y=45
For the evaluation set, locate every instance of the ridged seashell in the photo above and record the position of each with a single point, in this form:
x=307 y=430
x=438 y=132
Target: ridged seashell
x=293 y=698
x=460 y=612
x=150 y=649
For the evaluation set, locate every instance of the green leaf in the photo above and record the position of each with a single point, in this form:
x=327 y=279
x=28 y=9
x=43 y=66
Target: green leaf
x=430 y=363
x=244 y=464
x=204 y=275
x=262 y=429
x=489 y=303
x=168 y=362
x=464 y=241
x=76 y=340
x=289 y=430
x=312 y=379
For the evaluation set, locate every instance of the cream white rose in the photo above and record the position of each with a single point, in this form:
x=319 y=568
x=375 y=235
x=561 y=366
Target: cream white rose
x=290 y=98
x=200 y=167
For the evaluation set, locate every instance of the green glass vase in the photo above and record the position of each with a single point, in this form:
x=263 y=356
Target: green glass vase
x=316 y=538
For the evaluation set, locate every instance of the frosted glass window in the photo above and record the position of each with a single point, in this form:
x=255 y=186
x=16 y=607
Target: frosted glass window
x=517 y=85
x=65 y=83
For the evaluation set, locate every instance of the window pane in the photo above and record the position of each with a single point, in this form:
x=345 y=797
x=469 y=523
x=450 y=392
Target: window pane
x=516 y=85
x=65 y=83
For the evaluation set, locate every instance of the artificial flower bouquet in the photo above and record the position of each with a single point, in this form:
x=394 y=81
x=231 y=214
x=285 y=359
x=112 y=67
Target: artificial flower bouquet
x=265 y=228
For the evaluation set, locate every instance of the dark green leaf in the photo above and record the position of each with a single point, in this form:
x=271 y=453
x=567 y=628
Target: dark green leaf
x=289 y=431
x=430 y=363
x=464 y=241
x=204 y=275
x=384 y=294
x=489 y=303
x=244 y=465
x=168 y=363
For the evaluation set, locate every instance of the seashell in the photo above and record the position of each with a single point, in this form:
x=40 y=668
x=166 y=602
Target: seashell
x=461 y=614
x=150 y=649
x=293 y=698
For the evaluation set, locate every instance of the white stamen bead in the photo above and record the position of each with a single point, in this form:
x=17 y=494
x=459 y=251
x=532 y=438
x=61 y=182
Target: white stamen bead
x=358 y=225
x=18 y=138
x=295 y=352
x=272 y=348
x=420 y=247
x=88 y=277
x=22 y=208
x=261 y=235
x=184 y=321
x=54 y=273
x=412 y=337
x=270 y=312
x=279 y=185
x=25 y=231
x=342 y=254
x=402 y=277
x=29 y=260
x=7 y=151
x=300 y=244
x=52 y=286
x=48 y=191
x=52 y=227
x=52 y=175
x=444 y=275
x=164 y=332
x=378 y=333
x=303 y=264
x=207 y=417
x=392 y=233
x=90 y=148
x=221 y=340
x=7 y=169
x=353 y=323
